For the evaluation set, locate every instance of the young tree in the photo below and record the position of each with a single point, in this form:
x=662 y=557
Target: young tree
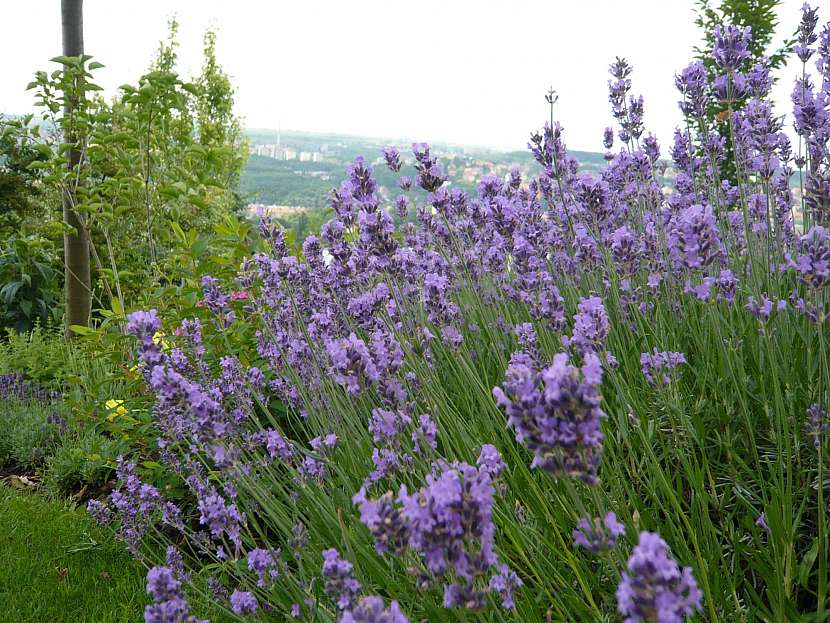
x=77 y=284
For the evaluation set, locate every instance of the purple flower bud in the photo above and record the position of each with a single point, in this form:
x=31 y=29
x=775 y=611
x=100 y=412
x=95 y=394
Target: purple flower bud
x=341 y=586
x=817 y=424
x=393 y=158
x=243 y=602
x=731 y=47
x=655 y=589
x=598 y=535
x=556 y=414
x=371 y=610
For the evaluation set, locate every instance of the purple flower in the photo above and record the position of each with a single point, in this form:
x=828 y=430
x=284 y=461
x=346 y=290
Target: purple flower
x=100 y=512
x=590 y=326
x=505 y=582
x=425 y=435
x=806 y=33
x=215 y=298
x=371 y=610
x=761 y=522
x=265 y=563
x=451 y=524
x=169 y=605
x=430 y=175
x=361 y=185
x=598 y=535
x=813 y=260
x=694 y=239
x=243 y=602
x=352 y=363
x=655 y=589
x=449 y=514
x=220 y=517
x=693 y=85
x=14 y=386
x=655 y=365
x=763 y=309
x=401 y=206
x=608 y=138
x=405 y=183
x=626 y=247
x=817 y=424
x=731 y=47
x=393 y=158
x=556 y=414
x=144 y=326
x=341 y=586
x=277 y=446
x=489 y=459
x=136 y=504
x=384 y=521
x=175 y=563
x=651 y=148
x=759 y=80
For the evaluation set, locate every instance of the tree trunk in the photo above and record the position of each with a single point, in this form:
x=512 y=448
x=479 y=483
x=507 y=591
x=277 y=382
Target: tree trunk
x=77 y=279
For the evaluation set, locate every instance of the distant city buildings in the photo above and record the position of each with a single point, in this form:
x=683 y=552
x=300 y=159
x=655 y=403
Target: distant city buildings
x=463 y=166
x=281 y=152
x=266 y=209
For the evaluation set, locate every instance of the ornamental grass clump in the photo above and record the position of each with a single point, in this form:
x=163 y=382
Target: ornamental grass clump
x=440 y=401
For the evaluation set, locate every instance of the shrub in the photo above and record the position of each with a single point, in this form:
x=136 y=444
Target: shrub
x=40 y=355
x=437 y=412
x=30 y=292
x=84 y=458
x=30 y=424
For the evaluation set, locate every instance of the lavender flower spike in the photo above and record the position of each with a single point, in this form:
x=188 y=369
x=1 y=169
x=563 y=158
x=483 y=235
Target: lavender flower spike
x=169 y=605
x=655 y=589
x=370 y=610
x=341 y=585
x=556 y=414
x=598 y=535
x=731 y=46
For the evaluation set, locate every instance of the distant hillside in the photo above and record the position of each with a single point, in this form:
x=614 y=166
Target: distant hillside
x=299 y=168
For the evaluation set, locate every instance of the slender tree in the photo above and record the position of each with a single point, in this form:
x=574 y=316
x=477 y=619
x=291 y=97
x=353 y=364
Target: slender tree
x=78 y=284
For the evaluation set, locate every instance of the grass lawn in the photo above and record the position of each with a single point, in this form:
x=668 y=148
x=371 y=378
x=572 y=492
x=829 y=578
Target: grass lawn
x=56 y=566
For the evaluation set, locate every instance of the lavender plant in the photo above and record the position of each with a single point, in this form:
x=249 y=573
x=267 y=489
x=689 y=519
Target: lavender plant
x=441 y=405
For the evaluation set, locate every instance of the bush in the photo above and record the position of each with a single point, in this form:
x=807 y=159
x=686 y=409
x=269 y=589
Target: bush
x=84 y=459
x=41 y=355
x=562 y=398
x=38 y=435
x=31 y=290
x=29 y=432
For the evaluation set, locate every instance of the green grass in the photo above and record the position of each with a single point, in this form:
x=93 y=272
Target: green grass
x=56 y=566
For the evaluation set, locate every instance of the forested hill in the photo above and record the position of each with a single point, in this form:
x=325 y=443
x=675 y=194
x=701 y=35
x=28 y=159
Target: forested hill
x=299 y=168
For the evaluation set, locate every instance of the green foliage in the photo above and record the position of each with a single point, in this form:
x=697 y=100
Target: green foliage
x=84 y=458
x=19 y=188
x=30 y=290
x=271 y=181
x=165 y=149
x=39 y=355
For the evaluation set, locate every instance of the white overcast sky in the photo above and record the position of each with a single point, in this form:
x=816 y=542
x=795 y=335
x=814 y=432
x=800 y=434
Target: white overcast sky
x=466 y=71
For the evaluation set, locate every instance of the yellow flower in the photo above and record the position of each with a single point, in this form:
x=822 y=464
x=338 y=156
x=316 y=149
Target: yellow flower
x=116 y=408
x=158 y=338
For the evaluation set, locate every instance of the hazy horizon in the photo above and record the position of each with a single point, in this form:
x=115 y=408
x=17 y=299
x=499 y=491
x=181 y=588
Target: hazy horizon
x=466 y=73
